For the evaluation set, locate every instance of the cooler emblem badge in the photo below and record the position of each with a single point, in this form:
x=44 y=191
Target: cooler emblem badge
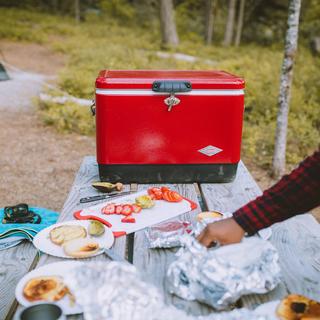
x=210 y=150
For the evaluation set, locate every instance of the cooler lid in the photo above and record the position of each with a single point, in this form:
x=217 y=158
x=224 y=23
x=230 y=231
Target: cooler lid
x=143 y=79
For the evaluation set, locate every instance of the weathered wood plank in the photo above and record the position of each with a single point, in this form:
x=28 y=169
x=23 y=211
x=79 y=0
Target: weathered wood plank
x=14 y=264
x=297 y=239
x=153 y=263
x=81 y=187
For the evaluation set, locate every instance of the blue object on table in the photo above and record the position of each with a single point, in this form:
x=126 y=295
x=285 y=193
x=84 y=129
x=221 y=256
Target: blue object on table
x=12 y=234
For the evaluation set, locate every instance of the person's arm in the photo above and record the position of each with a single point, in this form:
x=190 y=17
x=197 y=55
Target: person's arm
x=294 y=194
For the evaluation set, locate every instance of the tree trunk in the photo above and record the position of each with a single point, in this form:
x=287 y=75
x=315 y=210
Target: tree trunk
x=209 y=14
x=168 y=26
x=77 y=10
x=291 y=43
x=240 y=23
x=228 y=35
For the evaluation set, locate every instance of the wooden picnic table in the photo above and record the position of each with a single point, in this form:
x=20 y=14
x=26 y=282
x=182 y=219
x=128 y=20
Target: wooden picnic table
x=297 y=240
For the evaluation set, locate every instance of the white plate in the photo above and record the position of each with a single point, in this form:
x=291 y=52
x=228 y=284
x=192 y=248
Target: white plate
x=52 y=269
x=42 y=240
x=268 y=308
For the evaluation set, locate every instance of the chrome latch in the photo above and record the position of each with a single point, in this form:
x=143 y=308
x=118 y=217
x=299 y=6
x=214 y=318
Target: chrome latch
x=171 y=101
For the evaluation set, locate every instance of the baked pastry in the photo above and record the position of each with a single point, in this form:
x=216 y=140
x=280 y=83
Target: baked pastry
x=62 y=234
x=81 y=248
x=297 y=307
x=48 y=288
x=208 y=215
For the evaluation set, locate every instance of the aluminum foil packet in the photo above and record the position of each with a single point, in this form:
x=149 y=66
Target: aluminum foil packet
x=169 y=234
x=219 y=277
x=115 y=290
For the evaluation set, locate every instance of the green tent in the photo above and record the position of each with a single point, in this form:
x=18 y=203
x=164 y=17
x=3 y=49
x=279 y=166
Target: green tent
x=3 y=73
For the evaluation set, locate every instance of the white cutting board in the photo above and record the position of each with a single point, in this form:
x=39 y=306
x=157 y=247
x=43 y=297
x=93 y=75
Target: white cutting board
x=161 y=211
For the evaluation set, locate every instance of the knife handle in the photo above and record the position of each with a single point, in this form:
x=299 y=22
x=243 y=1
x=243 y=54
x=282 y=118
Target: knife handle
x=93 y=198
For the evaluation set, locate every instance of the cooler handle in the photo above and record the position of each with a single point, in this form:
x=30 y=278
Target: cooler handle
x=93 y=107
x=172 y=87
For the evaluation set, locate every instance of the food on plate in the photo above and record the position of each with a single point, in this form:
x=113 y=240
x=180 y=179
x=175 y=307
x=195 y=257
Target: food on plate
x=65 y=233
x=48 y=288
x=128 y=219
x=107 y=186
x=109 y=209
x=145 y=201
x=171 y=196
x=96 y=228
x=297 y=307
x=208 y=214
x=81 y=248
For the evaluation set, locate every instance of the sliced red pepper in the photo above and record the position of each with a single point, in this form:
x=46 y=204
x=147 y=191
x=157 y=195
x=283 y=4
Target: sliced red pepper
x=109 y=209
x=164 y=189
x=172 y=196
x=136 y=208
x=126 y=210
x=118 y=234
x=128 y=219
x=118 y=209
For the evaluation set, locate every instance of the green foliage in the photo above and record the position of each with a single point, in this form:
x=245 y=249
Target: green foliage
x=105 y=43
x=32 y=26
x=118 y=8
x=69 y=117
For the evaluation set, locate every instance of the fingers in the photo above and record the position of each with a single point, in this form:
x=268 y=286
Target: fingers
x=207 y=237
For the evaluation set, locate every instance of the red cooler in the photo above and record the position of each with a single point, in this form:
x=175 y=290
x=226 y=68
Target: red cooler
x=168 y=126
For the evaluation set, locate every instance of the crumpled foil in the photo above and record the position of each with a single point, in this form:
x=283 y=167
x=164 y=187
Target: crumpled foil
x=219 y=277
x=115 y=290
x=169 y=234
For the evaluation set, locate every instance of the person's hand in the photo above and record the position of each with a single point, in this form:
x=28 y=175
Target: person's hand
x=224 y=232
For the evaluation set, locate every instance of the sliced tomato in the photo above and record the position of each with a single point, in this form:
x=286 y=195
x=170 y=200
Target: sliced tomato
x=150 y=192
x=164 y=189
x=136 y=208
x=152 y=196
x=118 y=209
x=109 y=209
x=155 y=189
x=158 y=195
x=128 y=219
x=126 y=210
x=172 y=196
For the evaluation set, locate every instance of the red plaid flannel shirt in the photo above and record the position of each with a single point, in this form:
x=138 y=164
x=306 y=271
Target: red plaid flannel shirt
x=294 y=194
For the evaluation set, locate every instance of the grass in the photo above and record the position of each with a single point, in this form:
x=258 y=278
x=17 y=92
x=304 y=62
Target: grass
x=104 y=43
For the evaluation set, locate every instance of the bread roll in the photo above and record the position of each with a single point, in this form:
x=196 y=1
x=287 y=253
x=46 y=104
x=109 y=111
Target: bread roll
x=81 y=248
x=297 y=307
x=62 y=234
x=208 y=215
x=47 y=288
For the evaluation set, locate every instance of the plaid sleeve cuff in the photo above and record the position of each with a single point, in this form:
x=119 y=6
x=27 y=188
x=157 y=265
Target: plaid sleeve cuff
x=247 y=220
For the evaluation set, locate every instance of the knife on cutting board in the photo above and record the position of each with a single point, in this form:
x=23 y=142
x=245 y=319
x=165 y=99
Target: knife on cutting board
x=104 y=196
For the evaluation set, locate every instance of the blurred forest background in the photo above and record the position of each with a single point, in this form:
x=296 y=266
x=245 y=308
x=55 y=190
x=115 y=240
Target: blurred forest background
x=245 y=37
